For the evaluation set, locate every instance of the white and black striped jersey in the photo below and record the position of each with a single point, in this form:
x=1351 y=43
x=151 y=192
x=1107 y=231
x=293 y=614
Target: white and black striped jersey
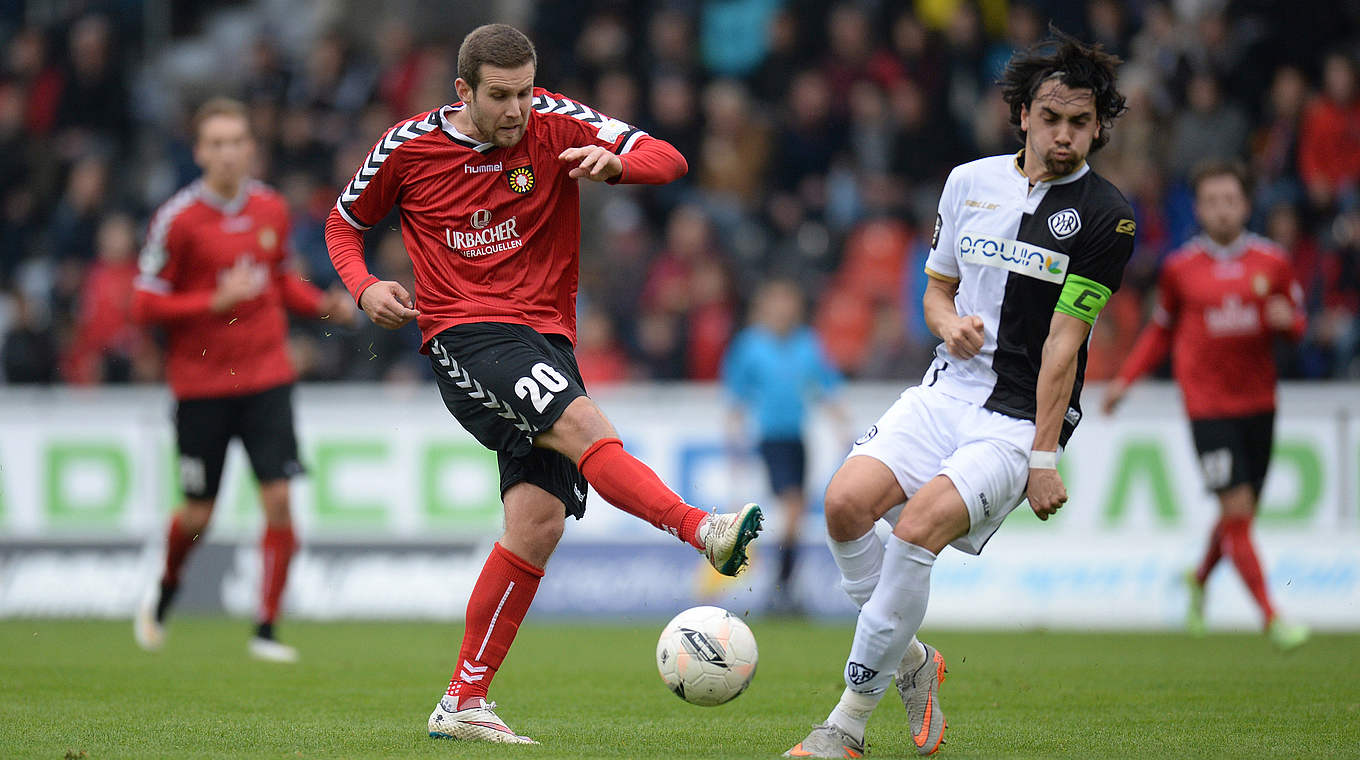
x=1018 y=255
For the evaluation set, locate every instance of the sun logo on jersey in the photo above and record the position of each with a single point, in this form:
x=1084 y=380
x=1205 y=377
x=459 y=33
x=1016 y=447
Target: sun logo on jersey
x=521 y=179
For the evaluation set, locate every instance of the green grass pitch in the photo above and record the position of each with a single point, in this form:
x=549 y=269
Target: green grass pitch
x=83 y=689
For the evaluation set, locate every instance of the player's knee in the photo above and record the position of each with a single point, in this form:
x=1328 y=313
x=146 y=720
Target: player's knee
x=930 y=526
x=195 y=516
x=847 y=513
x=274 y=500
x=582 y=424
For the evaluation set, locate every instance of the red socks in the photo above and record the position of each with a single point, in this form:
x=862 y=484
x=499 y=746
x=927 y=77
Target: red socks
x=276 y=552
x=177 y=546
x=1212 y=553
x=500 y=599
x=1237 y=545
x=627 y=483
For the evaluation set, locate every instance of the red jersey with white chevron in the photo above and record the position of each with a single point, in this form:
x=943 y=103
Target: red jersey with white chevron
x=1210 y=316
x=493 y=233
x=193 y=238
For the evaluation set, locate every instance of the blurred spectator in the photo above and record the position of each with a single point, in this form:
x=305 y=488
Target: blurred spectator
x=1329 y=141
x=732 y=35
x=1275 y=145
x=28 y=349
x=600 y=357
x=1209 y=128
x=71 y=232
x=37 y=77
x=732 y=157
x=107 y=346
x=95 y=112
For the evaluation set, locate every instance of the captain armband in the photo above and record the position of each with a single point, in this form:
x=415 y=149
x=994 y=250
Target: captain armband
x=1082 y=298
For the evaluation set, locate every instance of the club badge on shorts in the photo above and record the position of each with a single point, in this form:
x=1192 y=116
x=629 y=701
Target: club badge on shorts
x=521 y=179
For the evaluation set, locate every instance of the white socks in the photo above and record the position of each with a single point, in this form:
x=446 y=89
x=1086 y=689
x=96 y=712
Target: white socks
x=860 y=561
x=852 y=712
x=889 y=620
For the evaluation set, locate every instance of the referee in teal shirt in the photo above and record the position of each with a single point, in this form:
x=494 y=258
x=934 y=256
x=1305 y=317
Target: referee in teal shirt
x=773 y=370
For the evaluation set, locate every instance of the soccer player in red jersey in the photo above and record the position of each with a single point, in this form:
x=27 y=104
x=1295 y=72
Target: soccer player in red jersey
x=215 y=275
x=490 y=215
x=1223 y=298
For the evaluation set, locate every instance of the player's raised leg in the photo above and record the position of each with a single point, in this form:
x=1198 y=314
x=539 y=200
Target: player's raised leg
x=586 y=436
x=186 y=525
x=500 y=599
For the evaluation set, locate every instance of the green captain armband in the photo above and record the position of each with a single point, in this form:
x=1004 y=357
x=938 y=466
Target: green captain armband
x=1082 y=298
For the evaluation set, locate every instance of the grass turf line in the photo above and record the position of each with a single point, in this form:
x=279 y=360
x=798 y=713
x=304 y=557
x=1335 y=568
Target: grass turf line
x=366 y=689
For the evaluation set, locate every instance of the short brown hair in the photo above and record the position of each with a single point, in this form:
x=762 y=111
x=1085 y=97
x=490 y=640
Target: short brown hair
x=499 y=45
x=219 y=106
x=1220 y=168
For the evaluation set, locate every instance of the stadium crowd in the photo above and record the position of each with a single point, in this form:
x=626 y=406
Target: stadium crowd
x=818 y=136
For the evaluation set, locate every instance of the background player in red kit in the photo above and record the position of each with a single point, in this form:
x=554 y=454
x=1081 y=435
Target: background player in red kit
x=1222 y=299
x=490 y=216
x=215 y=275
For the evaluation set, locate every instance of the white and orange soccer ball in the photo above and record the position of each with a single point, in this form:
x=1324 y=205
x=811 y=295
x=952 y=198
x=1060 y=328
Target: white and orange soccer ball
x=706 y=655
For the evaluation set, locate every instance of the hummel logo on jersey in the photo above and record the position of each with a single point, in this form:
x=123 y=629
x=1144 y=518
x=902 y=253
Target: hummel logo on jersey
x=483 y=242
x=1065 y=223
x=1013 y=255
x=469 y=169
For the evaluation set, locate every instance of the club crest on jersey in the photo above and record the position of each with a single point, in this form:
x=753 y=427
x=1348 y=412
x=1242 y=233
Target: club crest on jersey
x=1014 y=256
x=1064 y=224
x=480 y=219
x=521 y=179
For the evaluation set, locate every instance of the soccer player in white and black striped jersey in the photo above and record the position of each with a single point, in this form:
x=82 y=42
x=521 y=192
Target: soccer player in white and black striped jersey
x=1027 y=250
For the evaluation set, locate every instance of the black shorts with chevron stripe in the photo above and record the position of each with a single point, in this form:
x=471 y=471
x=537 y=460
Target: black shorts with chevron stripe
x=506 y=383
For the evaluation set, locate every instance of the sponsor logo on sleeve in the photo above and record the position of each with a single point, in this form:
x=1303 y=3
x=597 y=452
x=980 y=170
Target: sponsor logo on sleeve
x=1013 y=255
x=611 y=129
x=1125 y=227
x=935 y=237
x=1064 y=224
x=868 y=435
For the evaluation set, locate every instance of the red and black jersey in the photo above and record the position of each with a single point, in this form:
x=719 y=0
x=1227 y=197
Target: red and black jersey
x=1210 y=316
x=194 y=237
x=493 y=233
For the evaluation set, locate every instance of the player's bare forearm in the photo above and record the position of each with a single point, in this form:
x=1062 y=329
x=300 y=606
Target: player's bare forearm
x=1057 y=373
x=937 y=305
x=963 y=334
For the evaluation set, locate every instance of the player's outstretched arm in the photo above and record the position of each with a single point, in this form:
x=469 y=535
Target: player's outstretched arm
x=1057 y=373
x=649 y=162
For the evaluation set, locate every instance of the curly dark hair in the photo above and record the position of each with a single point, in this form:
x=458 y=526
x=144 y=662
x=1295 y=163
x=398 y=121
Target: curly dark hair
x=1076 y=65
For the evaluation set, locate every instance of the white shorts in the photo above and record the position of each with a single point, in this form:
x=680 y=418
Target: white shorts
x=985 y=454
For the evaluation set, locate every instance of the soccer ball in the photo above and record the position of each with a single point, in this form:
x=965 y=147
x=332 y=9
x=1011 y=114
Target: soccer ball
x=706 y=655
